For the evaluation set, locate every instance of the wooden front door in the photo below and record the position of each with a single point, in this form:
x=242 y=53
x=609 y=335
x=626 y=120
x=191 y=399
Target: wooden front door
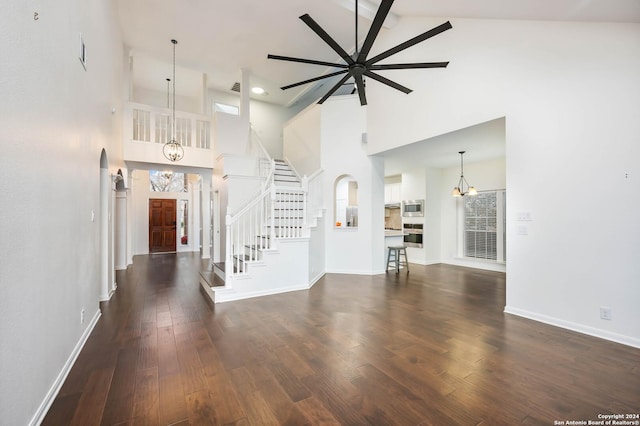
x=162 y=225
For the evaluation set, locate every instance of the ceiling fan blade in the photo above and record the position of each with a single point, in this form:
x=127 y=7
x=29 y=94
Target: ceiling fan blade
x=305 y=61
x=360 y=84
x=334 y=88
x=417 y=39
x=327 y=38
x=300 y=83
x=376 y=25
x=388 y=82
x=409 y=66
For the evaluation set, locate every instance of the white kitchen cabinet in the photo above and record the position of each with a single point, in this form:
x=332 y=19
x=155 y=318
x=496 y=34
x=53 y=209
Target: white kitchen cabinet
x=392 y=193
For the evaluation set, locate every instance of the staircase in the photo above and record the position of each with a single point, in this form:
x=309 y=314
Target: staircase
x=283 y=175
x=267 y=241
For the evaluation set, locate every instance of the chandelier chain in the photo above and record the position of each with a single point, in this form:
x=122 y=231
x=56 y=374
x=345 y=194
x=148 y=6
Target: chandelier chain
x=174 y=91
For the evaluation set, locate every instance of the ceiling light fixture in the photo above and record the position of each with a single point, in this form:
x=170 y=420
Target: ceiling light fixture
x=172 y=149
x=459 y=190
x=258 y=90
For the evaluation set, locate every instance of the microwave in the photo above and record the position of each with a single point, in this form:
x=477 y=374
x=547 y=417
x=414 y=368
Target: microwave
x=413 y=208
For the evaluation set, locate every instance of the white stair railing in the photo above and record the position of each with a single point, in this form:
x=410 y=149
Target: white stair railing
x=277 y=213
x=247 y=234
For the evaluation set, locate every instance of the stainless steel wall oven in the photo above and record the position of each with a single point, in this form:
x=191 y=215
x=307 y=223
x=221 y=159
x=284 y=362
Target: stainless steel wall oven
x=412 y=234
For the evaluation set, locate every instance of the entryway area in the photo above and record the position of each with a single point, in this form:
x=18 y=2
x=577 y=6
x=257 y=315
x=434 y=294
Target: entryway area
x=162 y=225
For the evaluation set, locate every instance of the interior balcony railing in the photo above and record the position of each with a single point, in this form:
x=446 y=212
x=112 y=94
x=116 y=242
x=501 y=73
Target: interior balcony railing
x=149 y=128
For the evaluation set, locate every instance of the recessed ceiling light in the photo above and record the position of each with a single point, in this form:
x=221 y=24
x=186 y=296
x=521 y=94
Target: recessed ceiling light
x=258 y=90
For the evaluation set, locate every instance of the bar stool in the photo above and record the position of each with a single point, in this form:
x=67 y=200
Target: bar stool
x=397 y=251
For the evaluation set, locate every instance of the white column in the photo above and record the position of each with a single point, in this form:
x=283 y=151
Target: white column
x=130 y=219
x=245 y=93
x=195 y=215
x=204 y=96
x=127 y=79
x=105 y=193
x=216 y=255
x=121 y=231
x=206 y=215
x=112 y=248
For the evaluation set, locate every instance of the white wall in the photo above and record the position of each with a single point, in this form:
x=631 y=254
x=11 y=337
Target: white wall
x=56 y=118
x=159 y=99
x=352 y=250
x=569 y=92
x=266 y=119
x=302 y=140
x=317 y=250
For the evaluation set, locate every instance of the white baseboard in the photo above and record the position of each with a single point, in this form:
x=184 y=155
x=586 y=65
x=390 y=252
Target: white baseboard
x=425 y=262
x=62 y=376
x=355 y=272
x=580 y=328
x=316 y=279
x=477 y=264
x=228 y=295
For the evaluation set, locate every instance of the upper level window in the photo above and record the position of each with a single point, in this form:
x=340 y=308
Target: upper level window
x=227 y=109
x=167 y=181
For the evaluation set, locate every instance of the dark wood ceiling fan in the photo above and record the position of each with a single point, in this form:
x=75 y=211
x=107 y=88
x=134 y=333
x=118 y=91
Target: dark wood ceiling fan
x=357 y=65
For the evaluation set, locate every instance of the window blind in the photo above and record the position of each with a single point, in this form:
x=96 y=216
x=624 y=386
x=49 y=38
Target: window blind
x=480 y=226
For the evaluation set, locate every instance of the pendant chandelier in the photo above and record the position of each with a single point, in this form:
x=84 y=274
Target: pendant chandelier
x=459 y=190
x=172 y=149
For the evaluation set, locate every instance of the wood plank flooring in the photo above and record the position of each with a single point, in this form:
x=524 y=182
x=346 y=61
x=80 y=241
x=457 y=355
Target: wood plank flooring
x=432 y=347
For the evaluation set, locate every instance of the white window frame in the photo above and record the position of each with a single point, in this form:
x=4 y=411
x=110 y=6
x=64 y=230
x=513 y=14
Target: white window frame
x=501 y=251
x=226 y=108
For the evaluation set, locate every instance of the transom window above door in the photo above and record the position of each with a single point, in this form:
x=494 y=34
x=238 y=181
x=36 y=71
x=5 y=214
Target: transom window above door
x=167 y=181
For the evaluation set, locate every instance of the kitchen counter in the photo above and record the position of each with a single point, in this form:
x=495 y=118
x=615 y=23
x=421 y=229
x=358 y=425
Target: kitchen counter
x=393 y=233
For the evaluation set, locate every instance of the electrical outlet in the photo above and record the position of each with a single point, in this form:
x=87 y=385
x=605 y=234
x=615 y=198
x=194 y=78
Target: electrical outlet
x=82 y=316
x=605 y=313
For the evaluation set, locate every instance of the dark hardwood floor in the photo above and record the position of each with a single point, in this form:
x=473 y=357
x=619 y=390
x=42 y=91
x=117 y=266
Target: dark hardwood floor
x=432 y=347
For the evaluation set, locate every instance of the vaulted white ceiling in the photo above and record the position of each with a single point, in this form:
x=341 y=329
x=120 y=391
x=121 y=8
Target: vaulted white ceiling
x=220 y=37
